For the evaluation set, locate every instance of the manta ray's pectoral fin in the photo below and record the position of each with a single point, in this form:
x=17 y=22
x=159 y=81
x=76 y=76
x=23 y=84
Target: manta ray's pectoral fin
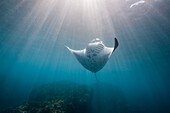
x=116 y=44
x=71 y=50
x=75 y=52
x=79 y=54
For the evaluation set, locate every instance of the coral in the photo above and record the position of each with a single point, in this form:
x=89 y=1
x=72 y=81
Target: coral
x=68 y=97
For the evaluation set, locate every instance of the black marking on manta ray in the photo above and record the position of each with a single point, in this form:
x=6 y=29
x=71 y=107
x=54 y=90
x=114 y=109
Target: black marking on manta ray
x=88 y=56
x=94 y=55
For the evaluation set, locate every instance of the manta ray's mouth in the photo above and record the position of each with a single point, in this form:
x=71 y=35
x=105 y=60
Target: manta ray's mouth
x=96 y=40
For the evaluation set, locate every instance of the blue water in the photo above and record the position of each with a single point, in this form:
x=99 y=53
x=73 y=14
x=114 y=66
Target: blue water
x=32 y=52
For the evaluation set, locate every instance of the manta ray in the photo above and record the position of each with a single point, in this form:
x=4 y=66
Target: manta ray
x=95 y=55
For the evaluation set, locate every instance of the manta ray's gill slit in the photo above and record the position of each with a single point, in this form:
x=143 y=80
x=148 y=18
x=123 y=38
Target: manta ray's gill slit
x=99 y=48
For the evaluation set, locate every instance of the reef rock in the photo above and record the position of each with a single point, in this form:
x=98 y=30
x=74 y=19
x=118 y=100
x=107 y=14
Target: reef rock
x=62 y=97
x=68 y=97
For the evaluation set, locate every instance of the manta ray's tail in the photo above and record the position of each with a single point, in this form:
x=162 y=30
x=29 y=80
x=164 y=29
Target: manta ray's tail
x=96 y=76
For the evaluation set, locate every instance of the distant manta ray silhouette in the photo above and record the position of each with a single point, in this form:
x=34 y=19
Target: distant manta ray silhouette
x=95 y=55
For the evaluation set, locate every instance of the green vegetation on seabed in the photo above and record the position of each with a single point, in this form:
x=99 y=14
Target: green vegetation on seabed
x=68 y=97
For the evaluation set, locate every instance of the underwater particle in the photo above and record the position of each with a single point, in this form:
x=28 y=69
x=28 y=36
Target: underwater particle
x=95 y=55
x=137 y=3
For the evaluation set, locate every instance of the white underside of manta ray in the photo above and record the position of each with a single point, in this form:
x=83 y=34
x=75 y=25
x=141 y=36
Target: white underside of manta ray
x=95 y=55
